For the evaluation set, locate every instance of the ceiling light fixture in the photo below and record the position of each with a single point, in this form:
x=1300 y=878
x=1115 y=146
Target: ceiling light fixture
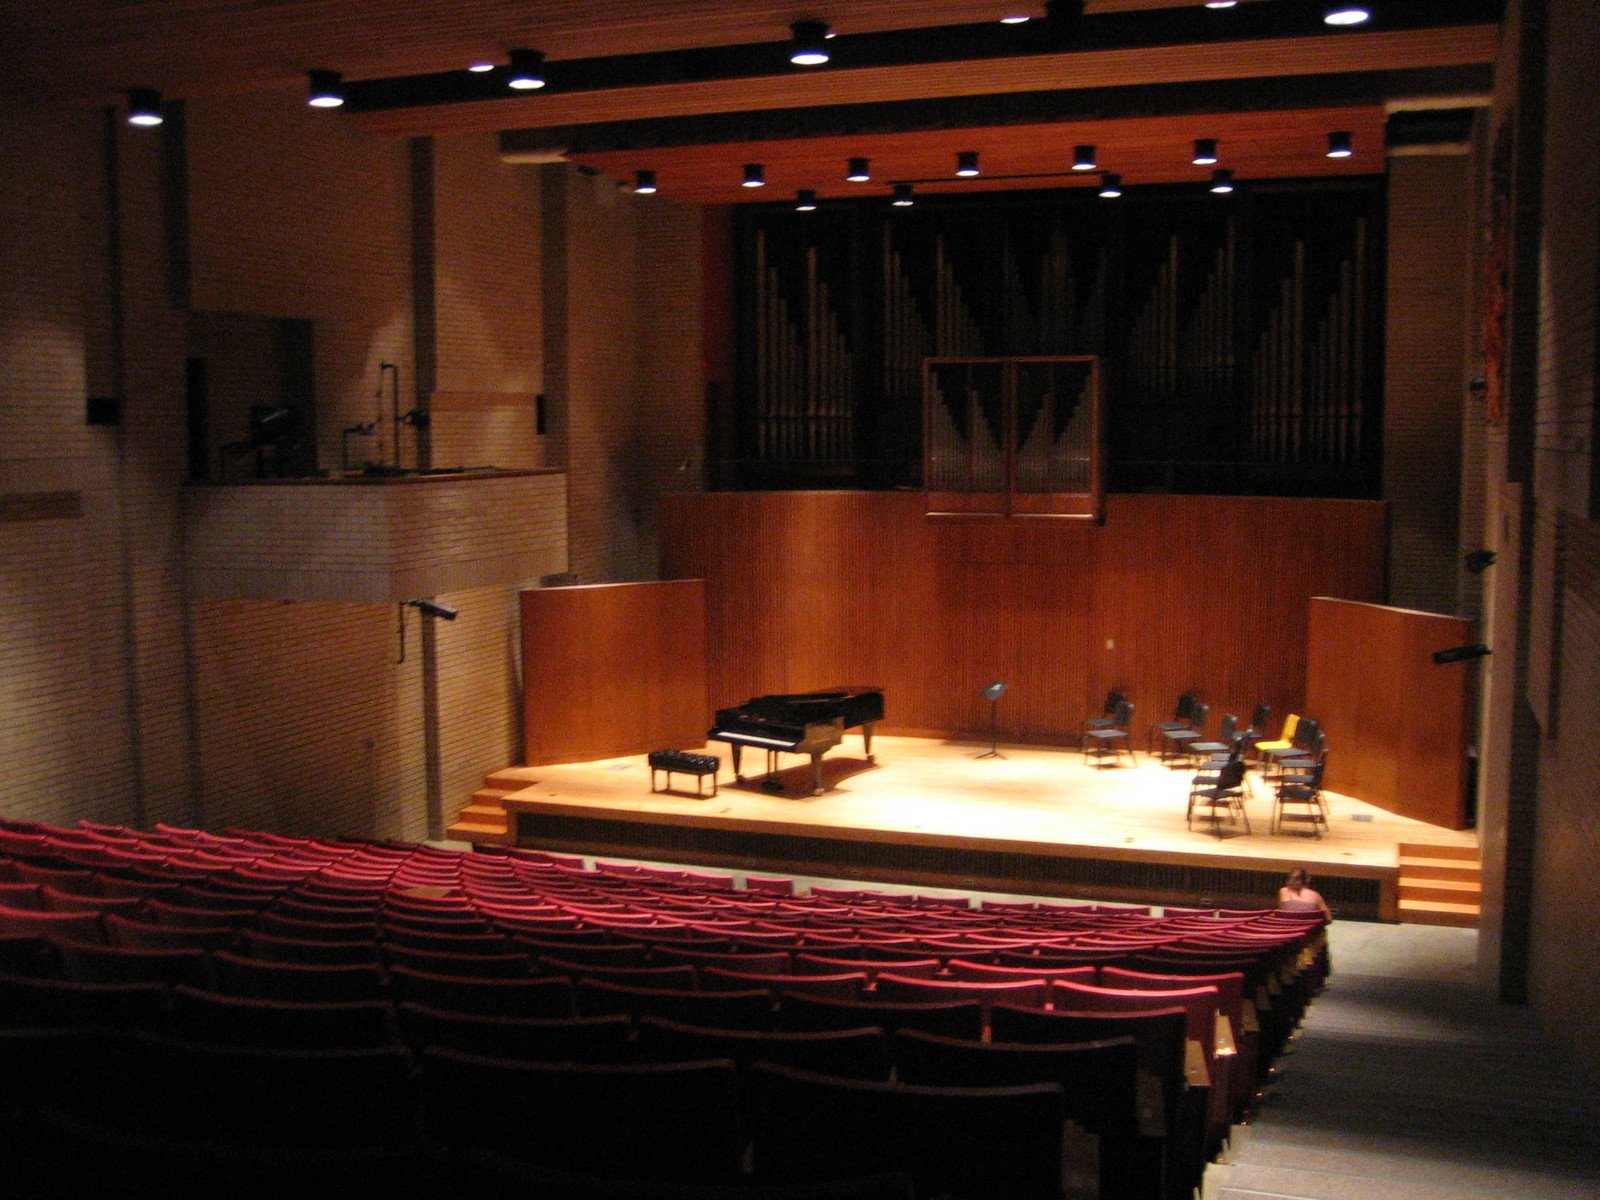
x=481 y=68
x=1083 y=159
x=644 y=183
x=144 y=108
x=805 y=200
x=1016 y=18
x=1339 y=144
x=1205 y=152
x=859 y=170
x=755 y=175
x=1222 y=181
x=902 y=196
x=1221 y=3
x=1347 y=14
x=1111 y=186
x=809 y=50
x=967 y=163
x=526 y=71
x=326 y=89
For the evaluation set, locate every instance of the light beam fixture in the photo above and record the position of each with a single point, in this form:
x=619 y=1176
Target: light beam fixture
x=1205 y=152
x=1222 y=181
x=809 y=38
x=755 y=175
x=805 y=200
x=1083 y=159
x=326 y=89
x=644 y=183
x=902 y=196
x=859 y=170
x=144 y=108
x=1347 y=14
x=1111 y=186
x=1339 y=144
x=967 y=163
x=526 y=71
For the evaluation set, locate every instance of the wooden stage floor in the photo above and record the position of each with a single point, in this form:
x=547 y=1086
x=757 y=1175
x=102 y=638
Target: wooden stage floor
x=932 y=811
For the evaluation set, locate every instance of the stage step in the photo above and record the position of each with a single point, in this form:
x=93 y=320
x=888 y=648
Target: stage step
x=1439 y=885
x=484 y=818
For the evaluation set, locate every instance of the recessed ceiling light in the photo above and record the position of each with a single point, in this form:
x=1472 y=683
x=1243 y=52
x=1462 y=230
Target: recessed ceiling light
x=326 y=89
x=755 y=175
x=1205 y=152
x=809 y=50
x=526 y=71
x=859 y=170
x=144 y=108
x=1347 y=14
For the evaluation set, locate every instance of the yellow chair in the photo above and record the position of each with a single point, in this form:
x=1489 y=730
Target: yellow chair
x=1284 y=741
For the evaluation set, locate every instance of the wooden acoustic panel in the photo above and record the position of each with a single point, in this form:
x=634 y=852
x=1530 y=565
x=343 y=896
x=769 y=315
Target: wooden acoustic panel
x=812 y=589
x=1396 y=721
x=613 y=669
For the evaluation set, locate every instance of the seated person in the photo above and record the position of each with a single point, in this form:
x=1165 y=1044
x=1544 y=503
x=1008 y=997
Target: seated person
x=1296 y=895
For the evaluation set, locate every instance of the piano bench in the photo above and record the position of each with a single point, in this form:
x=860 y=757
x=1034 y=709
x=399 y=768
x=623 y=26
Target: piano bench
x=684 y=763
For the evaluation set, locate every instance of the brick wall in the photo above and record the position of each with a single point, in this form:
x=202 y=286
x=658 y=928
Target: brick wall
x=1430 y=206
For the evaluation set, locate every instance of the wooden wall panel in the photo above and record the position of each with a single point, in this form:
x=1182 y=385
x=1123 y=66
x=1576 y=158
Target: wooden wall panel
x=1396 y=721
x=812 y=589
x=613 y=669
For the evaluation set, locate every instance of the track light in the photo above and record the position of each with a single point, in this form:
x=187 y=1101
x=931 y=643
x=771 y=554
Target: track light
x=1083 y=159
x=902 y=196
x=1339 y=144
x=1347 y=14
x=755 y=175
x=144 y=108
x=805 y=200
x=1205 y=152
x=859 y=170
x=326 y=89
x=644 y=183
x=967 y=163
x=1111 y=186
x=809 y=38
x=1222 y=181
x=526 y=71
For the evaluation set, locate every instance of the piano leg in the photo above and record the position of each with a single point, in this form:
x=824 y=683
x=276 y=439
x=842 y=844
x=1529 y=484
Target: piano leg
x=816 y=774
x=736 y=774
x=866 y=739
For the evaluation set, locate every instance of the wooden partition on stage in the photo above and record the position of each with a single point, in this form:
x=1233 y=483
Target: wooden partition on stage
x=1396 y=721
x=812 y=589
x=613 y=669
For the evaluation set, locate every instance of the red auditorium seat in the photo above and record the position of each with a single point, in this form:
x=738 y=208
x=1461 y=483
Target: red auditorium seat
x=29 y=1002
x=483 y=966
x=260 y=944
x=958 y=1018
x=89 y=962
x=746 y=1009
x=524 y=1039
x=960 y=968
x=977 y=1143
x=852 y=1053
x=669 y=976
x=655 y=1121
x=844 y=985
x=546 y=996
x=262 y=979
x=222 y=1020
x=21 y=922
x=146 y=935
x=600 y=950
x=832 y=964
x=903 y=989
x=768 y=962
x=332 y=929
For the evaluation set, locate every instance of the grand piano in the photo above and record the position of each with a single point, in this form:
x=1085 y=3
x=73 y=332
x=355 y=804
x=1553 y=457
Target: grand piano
x=802 y=723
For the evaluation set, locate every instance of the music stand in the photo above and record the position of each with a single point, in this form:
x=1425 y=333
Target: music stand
x=992 y=694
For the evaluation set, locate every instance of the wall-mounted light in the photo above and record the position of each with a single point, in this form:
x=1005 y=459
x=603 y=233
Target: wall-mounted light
x=1339 y=144
x=902 y=196
x=859 y=170
x=1205 y=152
x=1222 y=181
x=526 y=71
x=1111 y=186
x=1083 y=159
x=644 y=183
x=755 y=175
x=1347 y=14
x=325 y=89
x=144 y=108
x=967 y=163
x=805 y=200
x=809 y=49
